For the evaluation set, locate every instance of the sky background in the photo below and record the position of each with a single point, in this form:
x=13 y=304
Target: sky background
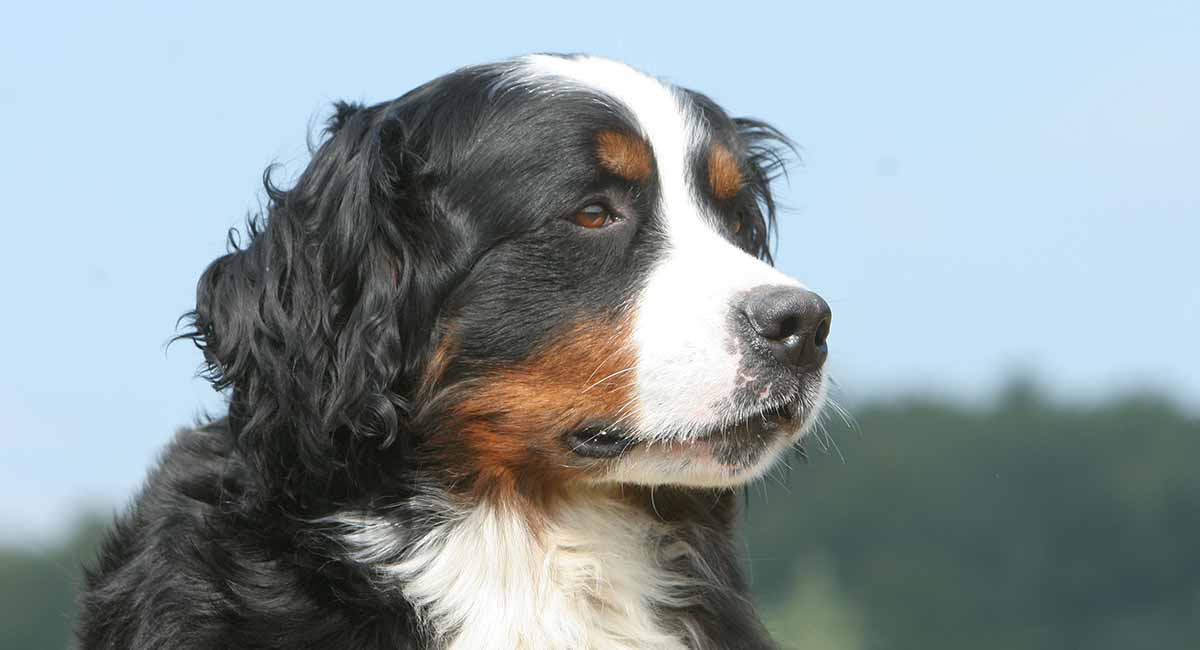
x=984 y=190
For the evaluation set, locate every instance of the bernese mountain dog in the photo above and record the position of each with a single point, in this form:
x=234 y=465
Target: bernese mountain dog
x=495 y=364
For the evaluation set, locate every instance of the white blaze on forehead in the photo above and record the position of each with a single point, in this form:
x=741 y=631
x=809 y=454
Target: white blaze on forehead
x=661 y=112
x=688 y=365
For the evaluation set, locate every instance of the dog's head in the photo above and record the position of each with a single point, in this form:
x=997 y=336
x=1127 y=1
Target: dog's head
x=520 y=275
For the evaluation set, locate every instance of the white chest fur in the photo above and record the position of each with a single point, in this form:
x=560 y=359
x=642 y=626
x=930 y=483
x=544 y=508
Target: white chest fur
x=591 y=575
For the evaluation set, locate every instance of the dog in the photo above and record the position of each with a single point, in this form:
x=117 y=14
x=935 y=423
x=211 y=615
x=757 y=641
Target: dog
x=495 y=364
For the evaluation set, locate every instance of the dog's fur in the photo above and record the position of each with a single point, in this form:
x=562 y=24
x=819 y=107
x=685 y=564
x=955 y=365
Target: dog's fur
x=488 y=384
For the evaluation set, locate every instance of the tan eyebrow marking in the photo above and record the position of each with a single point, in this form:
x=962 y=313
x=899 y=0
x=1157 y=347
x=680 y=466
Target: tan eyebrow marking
x=624 y=154
x=724 y=173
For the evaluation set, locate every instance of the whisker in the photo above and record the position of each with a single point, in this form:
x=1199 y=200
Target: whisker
x=601 y=381
x=616 y=350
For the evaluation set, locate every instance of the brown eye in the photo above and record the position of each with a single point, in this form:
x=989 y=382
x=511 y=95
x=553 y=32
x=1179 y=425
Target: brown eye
x=593 y=216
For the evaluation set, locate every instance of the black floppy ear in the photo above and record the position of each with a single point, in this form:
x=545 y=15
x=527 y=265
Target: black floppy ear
x=766 y=151
x=304 y=321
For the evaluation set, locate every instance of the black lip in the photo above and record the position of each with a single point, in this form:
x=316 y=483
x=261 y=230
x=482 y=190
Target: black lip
x=742 y=443
x=765 y=422
x=600 y=442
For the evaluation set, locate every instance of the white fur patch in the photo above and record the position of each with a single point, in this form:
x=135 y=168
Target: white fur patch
x=591 y=576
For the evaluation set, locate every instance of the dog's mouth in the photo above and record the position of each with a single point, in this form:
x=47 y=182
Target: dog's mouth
x=600 y=441
x=610 y=441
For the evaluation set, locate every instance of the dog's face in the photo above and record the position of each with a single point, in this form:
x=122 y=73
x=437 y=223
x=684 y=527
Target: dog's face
x=537 y=272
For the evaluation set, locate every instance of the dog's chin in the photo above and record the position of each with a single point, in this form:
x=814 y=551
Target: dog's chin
x=722 y=455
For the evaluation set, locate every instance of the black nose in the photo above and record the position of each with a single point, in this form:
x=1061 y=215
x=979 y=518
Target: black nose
x=793 y=323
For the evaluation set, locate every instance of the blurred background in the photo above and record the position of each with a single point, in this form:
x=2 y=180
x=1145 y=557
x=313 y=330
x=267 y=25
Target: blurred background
x=1002 y=206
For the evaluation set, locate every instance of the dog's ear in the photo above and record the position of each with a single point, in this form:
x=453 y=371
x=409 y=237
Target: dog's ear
x=767 y=151
x=311 y=321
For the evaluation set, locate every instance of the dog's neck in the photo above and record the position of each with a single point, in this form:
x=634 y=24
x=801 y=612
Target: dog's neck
x=601 y=568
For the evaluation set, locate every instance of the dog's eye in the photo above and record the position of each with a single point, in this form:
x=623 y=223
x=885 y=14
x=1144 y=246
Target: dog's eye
x=593 y=216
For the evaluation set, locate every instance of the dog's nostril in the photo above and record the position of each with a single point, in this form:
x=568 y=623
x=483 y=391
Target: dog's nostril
x=822 y=332
x=789 y=326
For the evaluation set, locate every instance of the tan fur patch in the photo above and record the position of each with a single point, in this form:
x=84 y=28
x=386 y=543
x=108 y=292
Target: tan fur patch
x=625 y=155
x=724 y=173
x=513 y=421
x=435 y=369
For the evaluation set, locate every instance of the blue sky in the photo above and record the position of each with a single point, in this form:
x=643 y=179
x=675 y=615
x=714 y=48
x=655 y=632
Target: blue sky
x=984 y=189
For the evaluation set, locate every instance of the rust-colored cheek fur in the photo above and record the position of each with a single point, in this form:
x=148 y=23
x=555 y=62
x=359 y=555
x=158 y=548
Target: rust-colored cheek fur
x=625 y=155
x=724 y=174
x=511 y=422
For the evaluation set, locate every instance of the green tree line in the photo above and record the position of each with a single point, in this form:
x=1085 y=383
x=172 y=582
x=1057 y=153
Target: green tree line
x=1022 y=525
x=925 y=524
